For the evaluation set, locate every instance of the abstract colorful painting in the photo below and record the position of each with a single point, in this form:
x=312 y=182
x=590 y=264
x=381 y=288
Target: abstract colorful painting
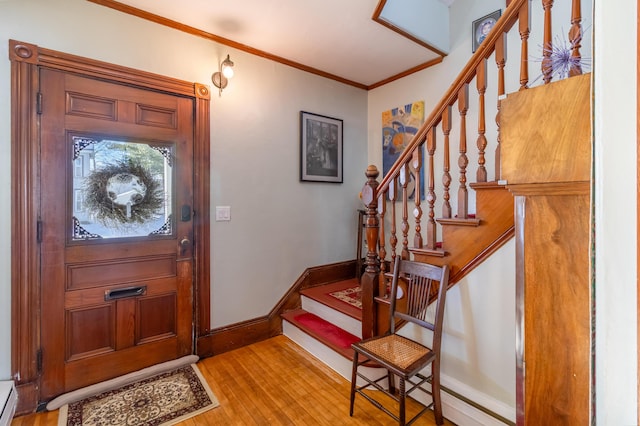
x=399 y=126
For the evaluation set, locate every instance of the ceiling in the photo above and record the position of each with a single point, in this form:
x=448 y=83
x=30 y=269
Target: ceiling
x=335 y=38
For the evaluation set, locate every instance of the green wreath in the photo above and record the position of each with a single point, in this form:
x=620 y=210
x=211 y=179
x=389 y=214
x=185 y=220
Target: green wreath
x=107 y=207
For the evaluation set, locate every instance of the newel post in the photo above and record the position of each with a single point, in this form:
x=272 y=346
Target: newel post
x=369 y=280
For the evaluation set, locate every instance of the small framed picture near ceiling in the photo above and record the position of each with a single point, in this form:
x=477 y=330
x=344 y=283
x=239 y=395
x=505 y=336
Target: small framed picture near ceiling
x=320 y=148
x=481 y=27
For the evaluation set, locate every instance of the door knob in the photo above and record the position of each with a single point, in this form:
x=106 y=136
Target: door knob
x=185 y=245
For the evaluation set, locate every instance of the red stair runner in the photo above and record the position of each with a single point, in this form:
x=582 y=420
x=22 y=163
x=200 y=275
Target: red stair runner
x=322 y=330
x=322 y=294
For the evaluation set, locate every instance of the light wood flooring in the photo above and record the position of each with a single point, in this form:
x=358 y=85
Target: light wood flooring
x=274 y=382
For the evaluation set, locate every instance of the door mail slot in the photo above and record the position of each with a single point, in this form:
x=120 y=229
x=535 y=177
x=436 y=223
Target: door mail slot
x=122 y=293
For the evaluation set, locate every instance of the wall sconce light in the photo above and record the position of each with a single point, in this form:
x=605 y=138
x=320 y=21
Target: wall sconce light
x=221 y=78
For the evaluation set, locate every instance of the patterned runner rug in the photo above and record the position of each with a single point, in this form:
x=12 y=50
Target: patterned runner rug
x=352 y=296
x=165 y=399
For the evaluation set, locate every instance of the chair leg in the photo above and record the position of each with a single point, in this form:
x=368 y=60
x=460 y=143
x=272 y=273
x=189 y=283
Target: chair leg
x=435 y=392
x=354 y=372
x=402 y=396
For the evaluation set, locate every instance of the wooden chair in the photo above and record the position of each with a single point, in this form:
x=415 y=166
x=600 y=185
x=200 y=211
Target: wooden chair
x=422 y=284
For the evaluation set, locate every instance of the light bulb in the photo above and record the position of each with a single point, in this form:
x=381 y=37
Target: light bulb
x=227 y=71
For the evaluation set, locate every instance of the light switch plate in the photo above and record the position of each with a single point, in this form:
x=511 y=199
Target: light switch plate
x=223 y=213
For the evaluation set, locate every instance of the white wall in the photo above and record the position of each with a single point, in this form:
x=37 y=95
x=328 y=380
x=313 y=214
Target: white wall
x=478 y=343
x=479 y=329
x=616 y=193
x=279 y=226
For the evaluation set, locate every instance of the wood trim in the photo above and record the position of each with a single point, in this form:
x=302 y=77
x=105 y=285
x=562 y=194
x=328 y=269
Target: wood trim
x=560 y=188
x=520 y=208
x=410 y=71
x=25 y=259
x=263 y=54
x=482 y=256
x=115 y=73
x=376 y=18
x=234 y=336
x=26 y=61
x=201 y=207
x=222 y=40
x=637 y=207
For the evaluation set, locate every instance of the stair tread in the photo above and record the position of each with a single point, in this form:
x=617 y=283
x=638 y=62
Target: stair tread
x=331 y=335
x=321 y=294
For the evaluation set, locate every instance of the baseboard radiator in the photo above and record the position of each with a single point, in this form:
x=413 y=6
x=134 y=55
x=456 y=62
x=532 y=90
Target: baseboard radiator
x=8 y=402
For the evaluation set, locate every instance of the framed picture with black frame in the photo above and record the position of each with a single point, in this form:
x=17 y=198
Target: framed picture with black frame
x=320 y=148
x=481 y=27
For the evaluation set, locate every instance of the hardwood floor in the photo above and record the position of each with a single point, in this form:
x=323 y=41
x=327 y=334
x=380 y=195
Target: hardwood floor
x=274 y=382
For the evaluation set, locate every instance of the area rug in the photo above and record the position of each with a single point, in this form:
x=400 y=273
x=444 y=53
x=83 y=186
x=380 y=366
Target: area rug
x=352 y=296
x=164 y=399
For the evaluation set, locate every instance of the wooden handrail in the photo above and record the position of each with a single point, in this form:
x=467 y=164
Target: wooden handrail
x=467 y=74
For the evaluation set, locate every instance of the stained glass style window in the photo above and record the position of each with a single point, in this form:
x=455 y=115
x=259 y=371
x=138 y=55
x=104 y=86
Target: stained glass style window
x=124 y=187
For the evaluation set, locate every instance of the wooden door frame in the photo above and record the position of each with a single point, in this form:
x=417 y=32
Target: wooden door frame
x=26 y=61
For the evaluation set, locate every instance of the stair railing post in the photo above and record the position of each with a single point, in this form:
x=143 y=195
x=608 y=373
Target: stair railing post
x=575 y=38
x=370 y=278
x=547 y=69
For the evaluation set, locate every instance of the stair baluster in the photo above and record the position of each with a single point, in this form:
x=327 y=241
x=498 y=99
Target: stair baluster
x=481 y=143
x=575 y=38
x=382 y=209
x=463 y=161
x=416 y=165
x=393 y=240
x=405 y=175
x=523 y=28
x=446 y=176
x=431 y=196
x=547 y=69
x=500 y=63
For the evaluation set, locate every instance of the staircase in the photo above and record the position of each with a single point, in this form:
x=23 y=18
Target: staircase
x=459 y=224
x=326 y=326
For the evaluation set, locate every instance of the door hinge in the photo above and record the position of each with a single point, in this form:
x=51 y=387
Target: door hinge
x=39 y=103
x=39 y=231
x=39 y=361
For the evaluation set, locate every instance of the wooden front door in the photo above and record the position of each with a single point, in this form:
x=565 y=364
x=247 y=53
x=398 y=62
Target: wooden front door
x=115 y=228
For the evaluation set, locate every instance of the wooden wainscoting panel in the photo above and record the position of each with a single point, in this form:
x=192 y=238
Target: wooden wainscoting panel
x=557 y=311
x=545 y=133
x=163 y=311
x=90 y=331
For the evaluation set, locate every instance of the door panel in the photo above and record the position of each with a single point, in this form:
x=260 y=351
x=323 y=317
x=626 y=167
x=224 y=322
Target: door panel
x=117 y=270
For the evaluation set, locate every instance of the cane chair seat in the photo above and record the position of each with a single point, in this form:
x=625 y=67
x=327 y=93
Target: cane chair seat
x=423 y=285
x=397 y=351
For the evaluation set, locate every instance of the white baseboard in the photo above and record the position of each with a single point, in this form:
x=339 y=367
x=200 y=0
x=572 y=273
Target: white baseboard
x=463 y=414
x=505 y=410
